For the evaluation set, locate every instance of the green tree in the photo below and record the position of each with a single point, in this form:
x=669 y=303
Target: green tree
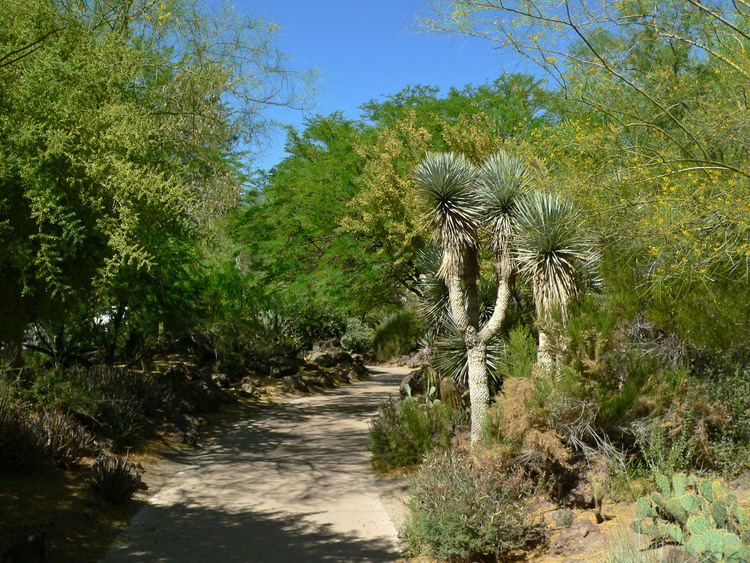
x=119 y=125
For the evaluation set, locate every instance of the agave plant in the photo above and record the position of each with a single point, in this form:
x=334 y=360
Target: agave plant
x=554 y=253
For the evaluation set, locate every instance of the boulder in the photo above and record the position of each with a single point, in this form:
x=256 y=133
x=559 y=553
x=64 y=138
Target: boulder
x=281 y=366
x=577 y=538
x=329 y=358
x=580 y=496
x=221 y=379
x=294 y=383
x=247 y=388
x=412 y=384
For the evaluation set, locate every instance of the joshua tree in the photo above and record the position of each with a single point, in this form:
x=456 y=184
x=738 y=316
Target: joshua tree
x=535 y=234
x=463 y=202
x=553 y=253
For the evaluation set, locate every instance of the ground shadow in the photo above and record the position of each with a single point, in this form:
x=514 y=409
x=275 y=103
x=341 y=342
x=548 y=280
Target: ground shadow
x=200 y=534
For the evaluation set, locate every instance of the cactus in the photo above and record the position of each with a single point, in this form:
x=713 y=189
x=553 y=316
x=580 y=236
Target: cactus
x=696 y=513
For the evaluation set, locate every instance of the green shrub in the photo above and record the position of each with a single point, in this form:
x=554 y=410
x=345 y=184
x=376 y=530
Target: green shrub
x=404 y=431
x=461 y=510
x=115 y=478
x=697 y=513
x=396 y=335
x=520 y=354
x=730 y=442
x=358 y=337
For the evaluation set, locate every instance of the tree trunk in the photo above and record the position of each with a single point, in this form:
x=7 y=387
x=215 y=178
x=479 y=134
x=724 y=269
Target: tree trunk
x=543 y=354
x=479 y=391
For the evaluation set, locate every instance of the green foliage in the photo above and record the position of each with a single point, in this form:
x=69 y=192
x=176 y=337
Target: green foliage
x=449 y=358
x=519 y=355
x=697 y=513
x=404 y=431
x=358 y=337
x=552 y=249
x=396 y=335
x=119 y=403
x=446 y=183
x=115 y=478
x=460 y=510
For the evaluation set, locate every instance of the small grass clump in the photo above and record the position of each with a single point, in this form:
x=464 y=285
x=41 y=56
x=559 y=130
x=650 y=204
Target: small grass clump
x=115 y=478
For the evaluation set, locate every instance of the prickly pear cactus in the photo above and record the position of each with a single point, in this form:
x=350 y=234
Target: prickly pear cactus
x=697 y=513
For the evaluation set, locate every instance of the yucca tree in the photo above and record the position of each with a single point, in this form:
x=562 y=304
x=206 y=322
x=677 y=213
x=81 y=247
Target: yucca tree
x=463 y=201
x=553 y=251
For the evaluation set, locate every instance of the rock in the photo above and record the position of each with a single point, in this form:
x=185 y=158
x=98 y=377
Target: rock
x=294 y=383
x=281 y=366
x=247 y=388
x=412 y=384
x=322 y=359
x=221 y=379
x=358 y=367
x=580 y=496
x=576 y=538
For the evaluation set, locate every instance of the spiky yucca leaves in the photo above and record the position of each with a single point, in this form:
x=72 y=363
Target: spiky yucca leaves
x=552 y=250
x=449 y=356
x=446 y=182
x=434 y=304
x=502 y=181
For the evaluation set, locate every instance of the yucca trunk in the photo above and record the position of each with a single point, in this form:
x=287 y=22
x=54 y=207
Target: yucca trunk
x=479 y=391
x=543 y=353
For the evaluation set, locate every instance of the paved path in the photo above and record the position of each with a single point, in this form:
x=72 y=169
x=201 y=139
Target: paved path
x=292 y=483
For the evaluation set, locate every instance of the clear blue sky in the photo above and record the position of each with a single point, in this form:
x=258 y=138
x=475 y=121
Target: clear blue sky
x=365 y=50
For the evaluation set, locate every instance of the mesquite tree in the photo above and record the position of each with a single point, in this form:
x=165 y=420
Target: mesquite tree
x=535 y=234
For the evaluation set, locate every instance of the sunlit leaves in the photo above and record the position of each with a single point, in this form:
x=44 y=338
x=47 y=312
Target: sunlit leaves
x=446 y=182
x=552 y=249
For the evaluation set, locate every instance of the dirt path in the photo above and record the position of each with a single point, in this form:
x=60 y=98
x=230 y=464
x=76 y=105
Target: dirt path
x=291 y=483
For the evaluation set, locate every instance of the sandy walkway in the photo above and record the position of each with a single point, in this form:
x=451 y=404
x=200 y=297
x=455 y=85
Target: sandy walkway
x=292 y=483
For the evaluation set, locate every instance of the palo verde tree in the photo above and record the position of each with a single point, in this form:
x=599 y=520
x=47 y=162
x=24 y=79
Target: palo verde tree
x=534 y=234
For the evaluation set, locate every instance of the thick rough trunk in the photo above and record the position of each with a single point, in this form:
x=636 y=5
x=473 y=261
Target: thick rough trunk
x=479 y=391
x=544 y=354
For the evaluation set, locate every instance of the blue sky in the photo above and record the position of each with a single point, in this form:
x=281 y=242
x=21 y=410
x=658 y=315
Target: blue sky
x=365 y=50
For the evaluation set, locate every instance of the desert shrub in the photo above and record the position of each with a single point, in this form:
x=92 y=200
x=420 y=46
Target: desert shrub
x=404 y=431
x=730 y=441
x=29 y=440
x=115 y=478
x=358 y=337
x=63 y=440
x=20 y=447
x=69 y=390
x=520 y=354
x=697 y=513
x=463 y=510
x=521 y=422
x=396 y=335
x=130 y=402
